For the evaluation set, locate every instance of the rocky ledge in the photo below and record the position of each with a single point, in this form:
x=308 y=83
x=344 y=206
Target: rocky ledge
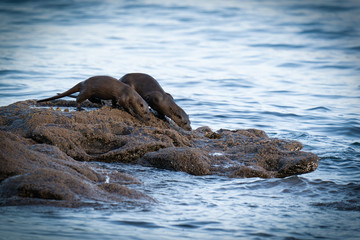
x=48 y=154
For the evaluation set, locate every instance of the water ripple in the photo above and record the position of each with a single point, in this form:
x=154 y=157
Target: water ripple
x=326 y=8
x=290 y=68
x=327 y=34
x=320 y=108
x=136 y=224
x=278 y=46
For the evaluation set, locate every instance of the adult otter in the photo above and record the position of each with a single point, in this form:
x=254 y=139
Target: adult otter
x=108 y=88
x=162 y=102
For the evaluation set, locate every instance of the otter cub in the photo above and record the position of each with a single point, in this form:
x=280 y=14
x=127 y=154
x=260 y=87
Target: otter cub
x=162 y=102
x=108 y=88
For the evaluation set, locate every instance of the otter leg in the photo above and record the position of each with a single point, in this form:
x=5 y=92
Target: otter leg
x=95 y=100
x=159 y=115
x=80 y=99
x=126 y=106
x=79 y=106
x=155 y=100
x=114 y=103
x=131 y=111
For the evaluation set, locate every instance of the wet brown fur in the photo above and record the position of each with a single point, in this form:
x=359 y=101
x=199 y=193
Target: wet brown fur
x=108 y=88
x=162 y=102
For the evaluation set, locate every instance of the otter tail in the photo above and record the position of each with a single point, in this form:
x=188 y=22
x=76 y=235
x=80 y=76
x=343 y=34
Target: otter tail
x=71 y=95
x=72 y=90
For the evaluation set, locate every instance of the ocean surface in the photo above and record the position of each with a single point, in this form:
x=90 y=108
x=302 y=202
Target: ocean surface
x=288 y=67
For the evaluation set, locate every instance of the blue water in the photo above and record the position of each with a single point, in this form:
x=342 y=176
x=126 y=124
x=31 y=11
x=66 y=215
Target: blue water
x=291 y=68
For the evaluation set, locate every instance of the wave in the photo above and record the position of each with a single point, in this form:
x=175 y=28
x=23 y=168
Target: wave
x=321 y=33
x=321 y=7
x=7 y=72
x=278 y=46
x=141 y=224
x=321 y=108
x=339 y=66
x=347 y=205
x=348 y=129
x=279 y=114
x=290 y=65
x=356 y=48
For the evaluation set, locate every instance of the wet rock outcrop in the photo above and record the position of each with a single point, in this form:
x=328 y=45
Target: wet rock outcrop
x=47 y=154
x=33 y=173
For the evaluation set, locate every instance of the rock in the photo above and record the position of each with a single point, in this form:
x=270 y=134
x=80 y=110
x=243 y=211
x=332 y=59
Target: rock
x=42 y=174
x=185 y=159
x=47 y=154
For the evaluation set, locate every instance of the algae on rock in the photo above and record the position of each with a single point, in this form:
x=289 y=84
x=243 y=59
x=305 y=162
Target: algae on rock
x=46 y=154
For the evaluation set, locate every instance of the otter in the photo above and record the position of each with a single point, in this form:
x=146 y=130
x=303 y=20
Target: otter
x=162 y=102
x=108 y=88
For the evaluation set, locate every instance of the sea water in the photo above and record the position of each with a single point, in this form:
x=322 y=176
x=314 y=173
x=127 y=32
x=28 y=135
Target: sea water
x=290 y=68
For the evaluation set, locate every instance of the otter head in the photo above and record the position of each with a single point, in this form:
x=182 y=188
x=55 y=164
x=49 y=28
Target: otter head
x=165 y=105
x=135 y=105
x=141 y=108
x=177 y=114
